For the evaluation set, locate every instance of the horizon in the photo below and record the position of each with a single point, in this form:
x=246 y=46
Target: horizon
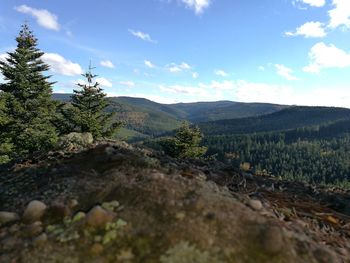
x=289 y=52
x=213 y=101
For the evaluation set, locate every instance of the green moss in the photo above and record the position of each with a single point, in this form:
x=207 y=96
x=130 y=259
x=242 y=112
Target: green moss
x=183 y=252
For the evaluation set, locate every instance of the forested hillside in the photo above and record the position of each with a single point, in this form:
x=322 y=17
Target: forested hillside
x=144 y=118
x=286 y=119
x=315 y=154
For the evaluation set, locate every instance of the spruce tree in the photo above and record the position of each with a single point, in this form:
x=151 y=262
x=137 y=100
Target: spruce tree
x=87 y=111
x=185 y=143
x=26 y=95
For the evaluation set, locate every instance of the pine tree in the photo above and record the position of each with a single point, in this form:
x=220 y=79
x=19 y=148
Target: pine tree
x=26 y=95
x=87 y=112
x=188 y=141
x=185 y=143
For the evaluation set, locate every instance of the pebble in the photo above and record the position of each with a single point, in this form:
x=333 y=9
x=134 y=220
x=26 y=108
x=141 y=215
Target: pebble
x=180 y=216
x=34 y=211
x=255 y=204
x=272 y=240
x=8 y=217
x=98 y=217
x=73 y=203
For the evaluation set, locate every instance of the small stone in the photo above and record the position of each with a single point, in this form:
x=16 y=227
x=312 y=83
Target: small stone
x=8 y=217
x=272 y=240
x=110 y=206
x=40 y=240
x=34 y=211
x=79 y=216
x=33 y=229
x=255 y=204
x=96 y=249
x=98 y=217
x=180 y=216
x=73 y=203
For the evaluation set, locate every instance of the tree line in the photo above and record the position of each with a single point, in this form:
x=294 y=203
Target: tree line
x=310 y=159
x=30 y=120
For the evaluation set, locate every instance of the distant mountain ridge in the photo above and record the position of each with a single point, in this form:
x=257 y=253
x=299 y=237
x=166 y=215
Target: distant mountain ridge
x=196 y=111
x=144 y=118
x=291 y=118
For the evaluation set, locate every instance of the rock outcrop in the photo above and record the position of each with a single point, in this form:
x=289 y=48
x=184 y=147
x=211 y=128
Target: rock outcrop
x=116 y=203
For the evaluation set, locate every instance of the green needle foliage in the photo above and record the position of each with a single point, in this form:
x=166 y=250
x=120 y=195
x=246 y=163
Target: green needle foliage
x=86 y=113
x=26 y=107
x=185 y=143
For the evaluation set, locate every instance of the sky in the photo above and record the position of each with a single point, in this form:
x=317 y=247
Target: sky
x=277 y=51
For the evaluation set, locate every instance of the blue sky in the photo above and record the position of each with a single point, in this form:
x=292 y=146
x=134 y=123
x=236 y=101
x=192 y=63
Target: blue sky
x=279 y=51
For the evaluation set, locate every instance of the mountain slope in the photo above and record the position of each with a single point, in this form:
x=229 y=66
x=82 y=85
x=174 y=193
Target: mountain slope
x=286 y=119
x=221 y=110
x=148 y=118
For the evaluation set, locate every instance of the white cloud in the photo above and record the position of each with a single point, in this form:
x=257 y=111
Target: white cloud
x=261 y=68
x=129 y=84
x=185 y=89
x=60 y=65
x=340 y=15
x=221 y=73
x=43 y=17
x=285 y=72
x=314 y=3
x=104 y=82
x=142 y=35
x=322 y=56
x=3 y=57
x=175 y=68
x=195 y=75
x=318 y=96
x=149 y=64
x=197 y=5
x=308 y=30
x=220 y=86
x=262 y=92
x=107 y=64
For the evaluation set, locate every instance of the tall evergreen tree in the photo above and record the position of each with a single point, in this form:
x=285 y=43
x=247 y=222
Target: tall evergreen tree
x=87 y=112
x=26 y=95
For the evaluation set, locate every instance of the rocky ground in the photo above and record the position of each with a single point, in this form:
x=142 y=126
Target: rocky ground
x=115 y=203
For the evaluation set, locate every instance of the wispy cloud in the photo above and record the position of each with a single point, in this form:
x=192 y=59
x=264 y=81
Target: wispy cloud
x=142 y=35
x=104 y=82
x=175 y=68
x=285 y=72
x=314 y=3
x=107 y=64
x=129 y=84
x=43 y=17
x=149 y=64
x=197 y=5
x=309 y=30
x=221 y=73
x=62 y=66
